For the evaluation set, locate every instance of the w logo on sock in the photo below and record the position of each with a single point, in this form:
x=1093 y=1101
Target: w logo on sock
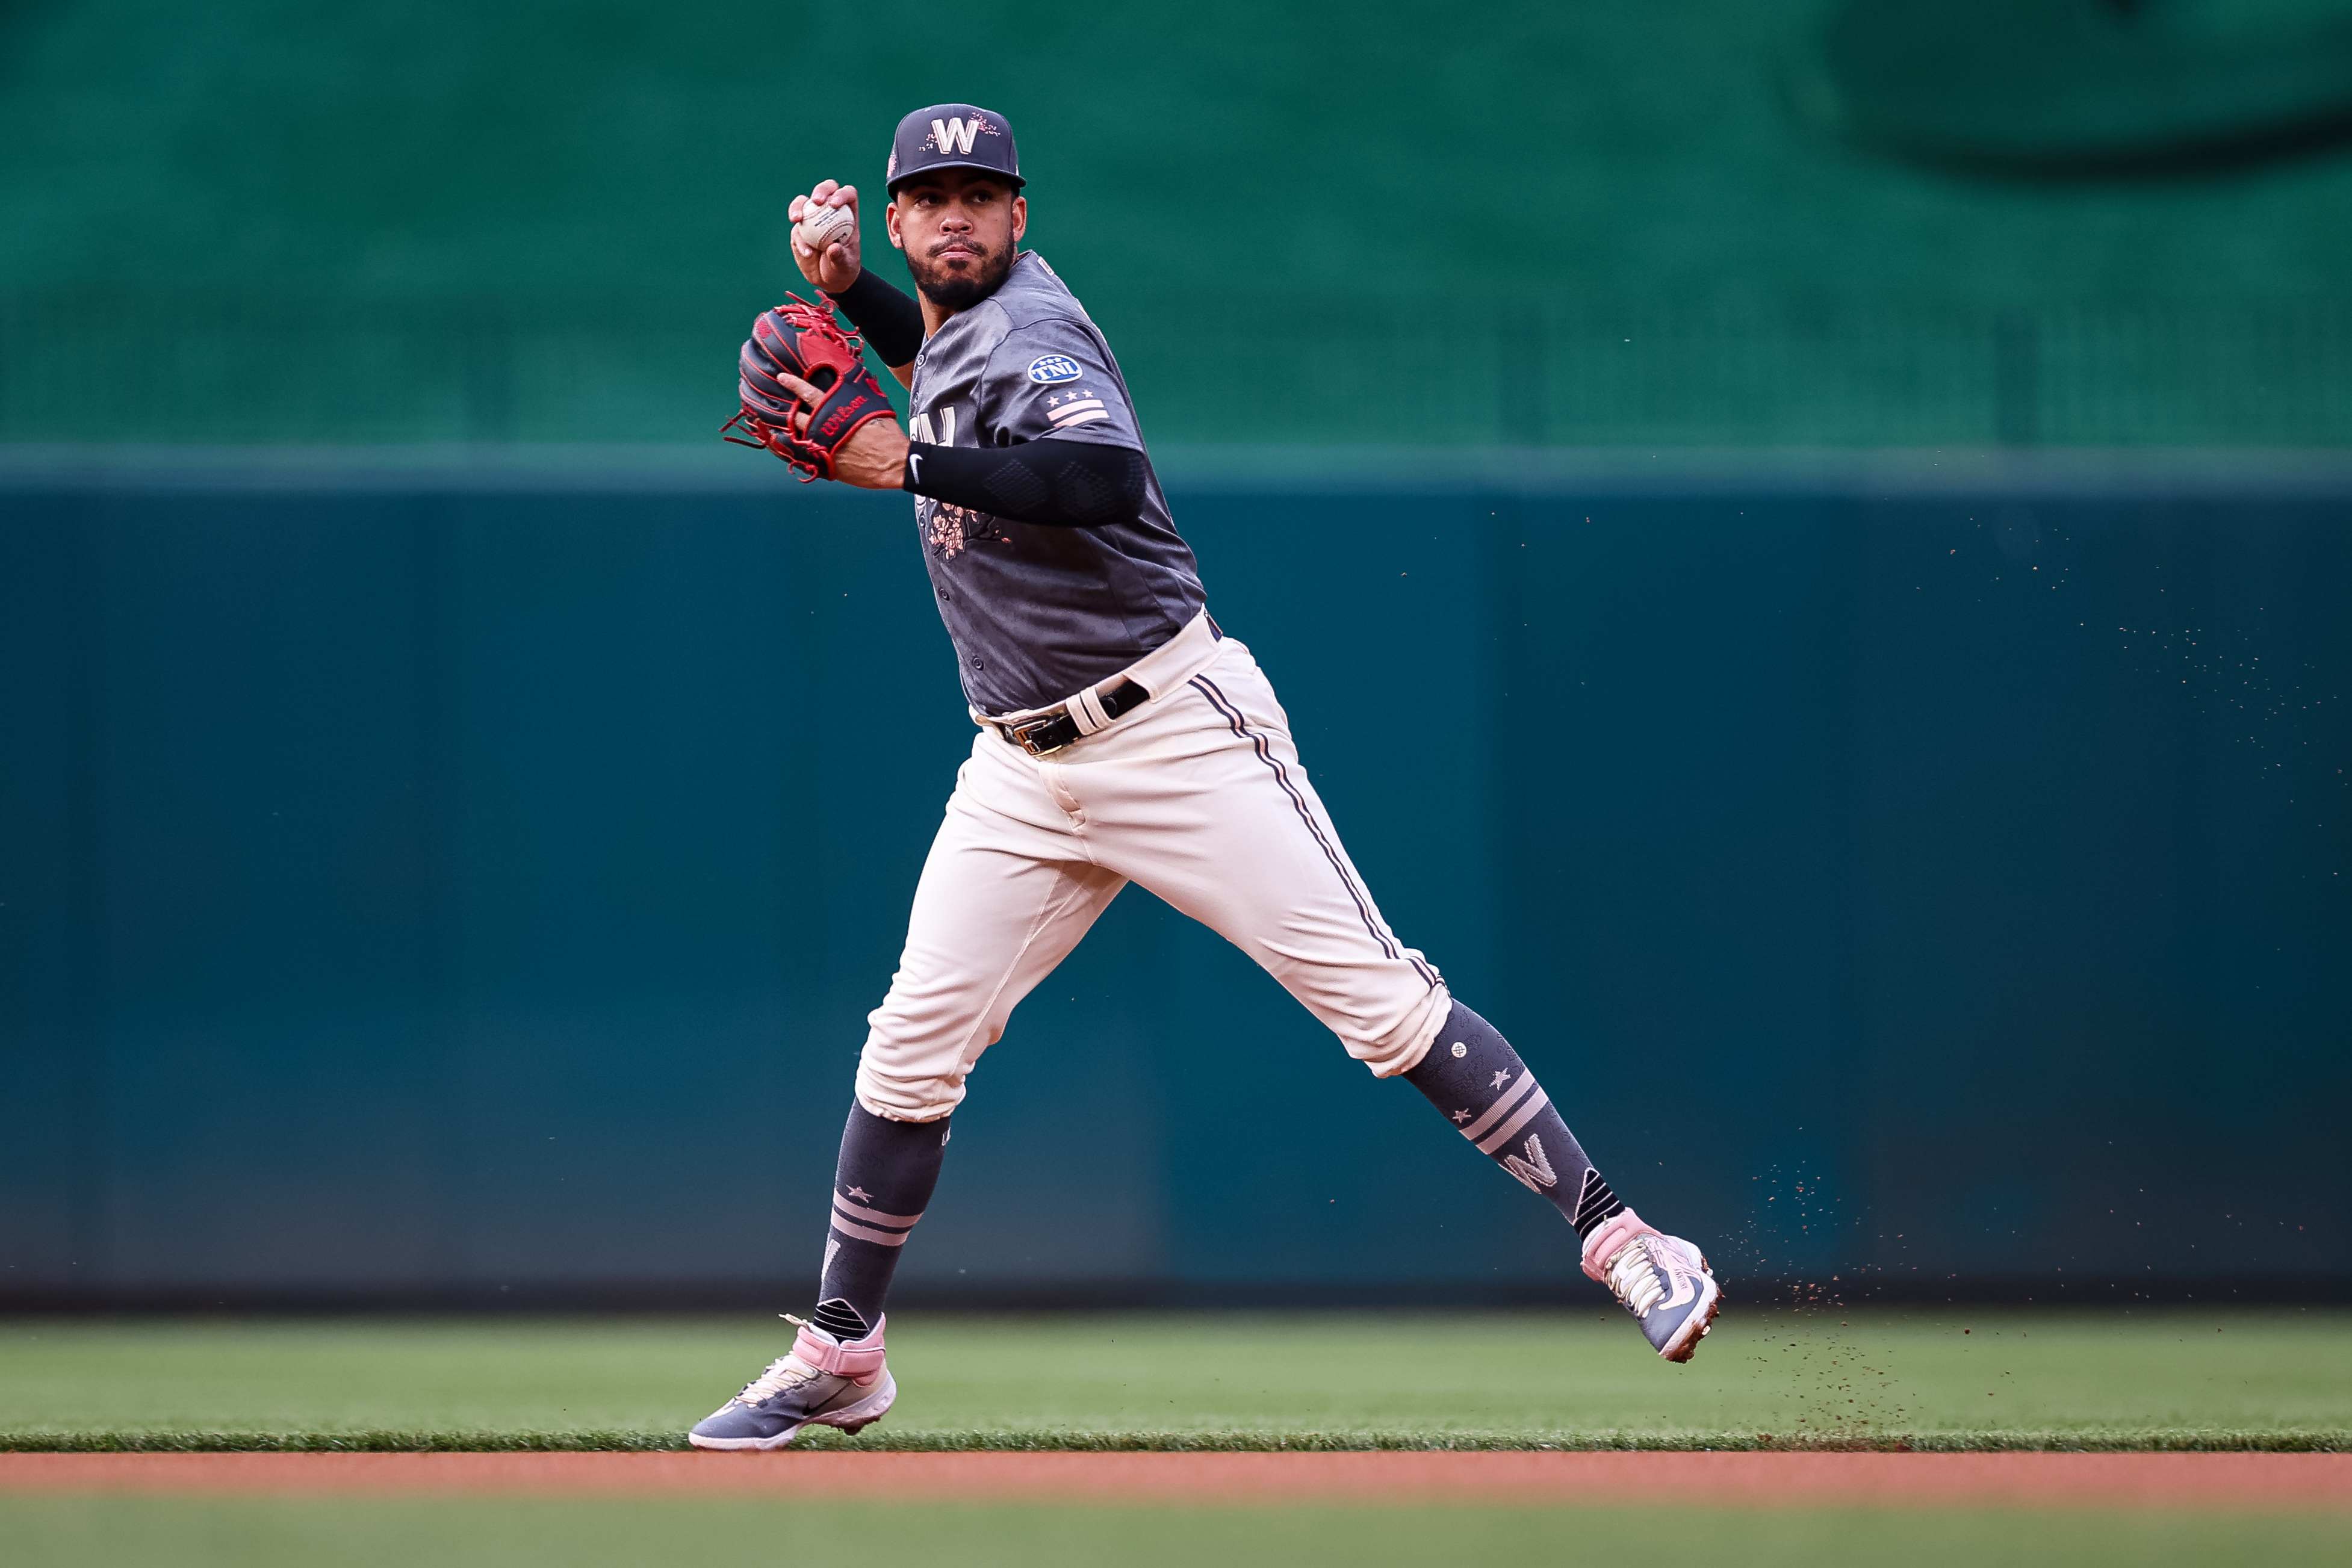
x=1535 y=1172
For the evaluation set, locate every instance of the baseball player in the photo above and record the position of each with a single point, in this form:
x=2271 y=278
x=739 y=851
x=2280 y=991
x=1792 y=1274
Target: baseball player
x=1123 y=737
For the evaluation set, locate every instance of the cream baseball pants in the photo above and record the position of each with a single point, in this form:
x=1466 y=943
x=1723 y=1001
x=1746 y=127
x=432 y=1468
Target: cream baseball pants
x=1197 y=797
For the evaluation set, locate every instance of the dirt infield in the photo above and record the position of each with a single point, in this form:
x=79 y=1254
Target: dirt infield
x=2040 y=1481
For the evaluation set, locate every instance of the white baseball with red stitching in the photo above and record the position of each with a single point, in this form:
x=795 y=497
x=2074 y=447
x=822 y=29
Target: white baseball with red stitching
x=822 y=226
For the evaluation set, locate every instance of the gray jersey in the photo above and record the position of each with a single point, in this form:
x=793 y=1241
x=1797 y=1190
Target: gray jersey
x=1038 y=612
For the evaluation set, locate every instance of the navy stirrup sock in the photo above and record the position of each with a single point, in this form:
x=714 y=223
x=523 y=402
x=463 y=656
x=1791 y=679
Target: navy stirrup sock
x=880 y=1188
x=1477 y=1081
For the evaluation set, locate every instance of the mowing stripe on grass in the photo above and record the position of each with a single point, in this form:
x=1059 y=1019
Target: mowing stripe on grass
x=2162 y=1441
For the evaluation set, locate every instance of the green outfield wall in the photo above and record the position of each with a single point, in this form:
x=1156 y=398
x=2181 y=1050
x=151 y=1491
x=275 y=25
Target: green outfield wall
x=448 y=881
x=1805 y=542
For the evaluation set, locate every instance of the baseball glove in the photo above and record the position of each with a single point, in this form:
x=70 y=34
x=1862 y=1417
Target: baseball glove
x=801 y=340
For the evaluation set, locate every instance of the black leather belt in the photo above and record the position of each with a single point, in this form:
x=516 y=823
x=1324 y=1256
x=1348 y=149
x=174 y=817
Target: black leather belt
x=1041 y=736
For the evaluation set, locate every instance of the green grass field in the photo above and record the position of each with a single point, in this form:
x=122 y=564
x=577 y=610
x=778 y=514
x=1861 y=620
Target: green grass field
x=2147 y=1378
x=477 y=1532
x=1944 y=1378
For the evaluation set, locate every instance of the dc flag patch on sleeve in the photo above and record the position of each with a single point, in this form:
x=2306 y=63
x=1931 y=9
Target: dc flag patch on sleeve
x=1080 y=407
x=1049 y=370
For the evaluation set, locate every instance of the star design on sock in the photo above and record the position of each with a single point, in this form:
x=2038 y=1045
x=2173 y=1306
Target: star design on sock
x=1460 y=1117
x=861 y=1195
x=1501 y=1079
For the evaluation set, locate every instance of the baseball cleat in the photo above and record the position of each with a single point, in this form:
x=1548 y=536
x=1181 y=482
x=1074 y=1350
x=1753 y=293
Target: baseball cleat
x=1662 y=1280
x=822 y=1380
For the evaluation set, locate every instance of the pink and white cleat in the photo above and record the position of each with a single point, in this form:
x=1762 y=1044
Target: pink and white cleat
x=1662 y=1280
x=823 y=1380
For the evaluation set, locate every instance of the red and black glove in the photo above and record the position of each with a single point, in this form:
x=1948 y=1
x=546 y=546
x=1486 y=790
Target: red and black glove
x=803 y=341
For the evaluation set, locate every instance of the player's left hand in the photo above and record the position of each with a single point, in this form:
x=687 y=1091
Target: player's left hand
x=874 y=455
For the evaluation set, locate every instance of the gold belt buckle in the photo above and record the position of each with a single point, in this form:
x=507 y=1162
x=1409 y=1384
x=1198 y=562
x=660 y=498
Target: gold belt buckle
x=1021 y=734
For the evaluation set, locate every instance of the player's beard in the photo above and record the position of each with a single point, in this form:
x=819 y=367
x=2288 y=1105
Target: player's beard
x=953 y=291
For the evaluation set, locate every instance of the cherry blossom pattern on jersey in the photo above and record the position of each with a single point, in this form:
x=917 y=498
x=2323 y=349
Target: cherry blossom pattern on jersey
x=949 y=530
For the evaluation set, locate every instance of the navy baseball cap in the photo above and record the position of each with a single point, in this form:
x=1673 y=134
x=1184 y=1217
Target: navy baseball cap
x=952 y=136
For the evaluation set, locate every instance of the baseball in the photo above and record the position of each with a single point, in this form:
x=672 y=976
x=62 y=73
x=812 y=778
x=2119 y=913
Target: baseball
x=822 y=226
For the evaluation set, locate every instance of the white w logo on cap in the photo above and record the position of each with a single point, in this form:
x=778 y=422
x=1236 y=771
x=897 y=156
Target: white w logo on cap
x=954 y=135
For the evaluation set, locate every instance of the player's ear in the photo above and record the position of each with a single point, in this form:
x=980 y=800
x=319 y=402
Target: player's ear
x=1020 y=217
x=890 y=222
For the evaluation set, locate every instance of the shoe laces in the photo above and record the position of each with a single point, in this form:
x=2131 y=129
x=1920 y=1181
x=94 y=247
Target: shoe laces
x=1636 y=1276
x=787 y=1370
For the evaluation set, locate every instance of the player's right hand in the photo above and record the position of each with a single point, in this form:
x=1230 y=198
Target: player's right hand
x=839 y=268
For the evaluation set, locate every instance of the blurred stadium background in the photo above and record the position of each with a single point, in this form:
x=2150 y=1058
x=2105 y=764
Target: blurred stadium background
x=1810 y=566
x=544 y=220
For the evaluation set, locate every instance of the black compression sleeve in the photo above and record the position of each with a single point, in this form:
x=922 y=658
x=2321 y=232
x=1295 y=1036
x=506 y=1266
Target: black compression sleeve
x=1061 y=484
x=892 y=322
